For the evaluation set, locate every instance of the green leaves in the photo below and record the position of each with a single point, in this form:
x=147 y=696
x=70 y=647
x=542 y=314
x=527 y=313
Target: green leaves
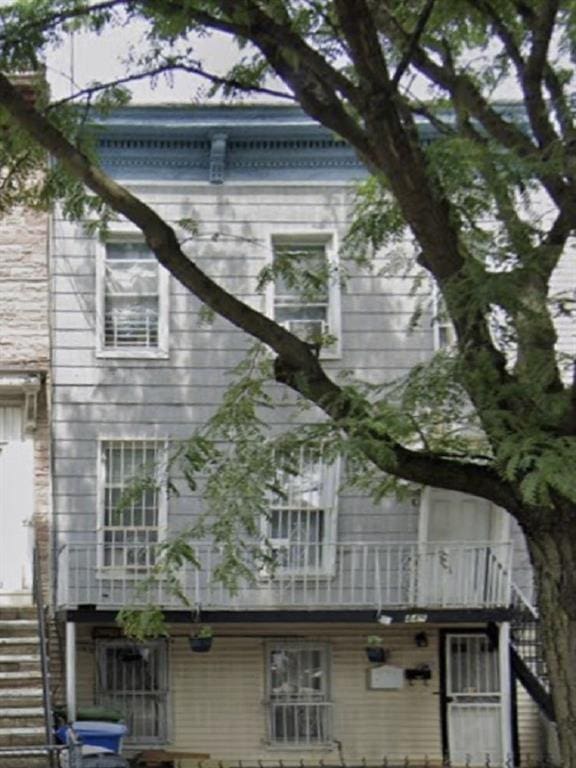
x=376 y=223
x=542 y=465
x=142 y=624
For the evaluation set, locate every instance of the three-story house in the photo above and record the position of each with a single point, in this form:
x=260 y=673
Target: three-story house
x=136 y=370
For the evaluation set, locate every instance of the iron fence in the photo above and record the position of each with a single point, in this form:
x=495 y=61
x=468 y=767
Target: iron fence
x=70 y=756
x=527 y=761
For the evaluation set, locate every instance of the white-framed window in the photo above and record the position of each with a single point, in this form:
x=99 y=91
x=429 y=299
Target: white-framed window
x=132 y=301
x=442 y=328
x=299 y=706
x=302 y=517
x=133 y=679
x=133 y=503
x=11 y=422
x=306 y=289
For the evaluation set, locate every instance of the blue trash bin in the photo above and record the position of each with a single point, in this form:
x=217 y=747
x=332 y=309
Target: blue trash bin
x=96 y=733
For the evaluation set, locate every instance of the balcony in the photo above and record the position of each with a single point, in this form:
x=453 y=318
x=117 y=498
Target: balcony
x=320 y=576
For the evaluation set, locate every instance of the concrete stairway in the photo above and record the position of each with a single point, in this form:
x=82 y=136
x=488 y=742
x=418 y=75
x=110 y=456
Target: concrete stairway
x=21 y=701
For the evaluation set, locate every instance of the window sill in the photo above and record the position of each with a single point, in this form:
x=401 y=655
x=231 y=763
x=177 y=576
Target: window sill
x=133 y=354
x=296 y=575
x=125 y=573
x=328 y=354
x=327 y=746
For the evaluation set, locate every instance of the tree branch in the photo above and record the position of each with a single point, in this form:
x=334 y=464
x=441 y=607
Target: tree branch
x=159 y=236
x=406 y=59
x=170 y=67
x=534 y=73
x=296 y=365
x=461 y=89
x=561 y=107
x=422 y=467
x=307 y=74
x=53 y=20
x=365 y=49
x=551 y=80
x=503 y=32
x=466 y=95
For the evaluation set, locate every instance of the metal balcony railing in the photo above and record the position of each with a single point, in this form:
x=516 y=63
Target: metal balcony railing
x=351 y=575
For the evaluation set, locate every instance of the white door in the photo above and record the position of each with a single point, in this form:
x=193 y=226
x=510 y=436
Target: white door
x=473 y=700
x=16 y=509
x=456 y=517
x=460 y=550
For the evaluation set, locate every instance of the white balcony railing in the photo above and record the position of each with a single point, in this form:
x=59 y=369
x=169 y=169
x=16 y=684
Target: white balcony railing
x=359 y=575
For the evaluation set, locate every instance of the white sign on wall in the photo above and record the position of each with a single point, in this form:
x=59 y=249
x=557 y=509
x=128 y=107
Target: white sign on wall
x=386 y=678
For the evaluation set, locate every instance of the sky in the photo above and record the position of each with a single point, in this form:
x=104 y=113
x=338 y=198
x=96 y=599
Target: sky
x=87 y=57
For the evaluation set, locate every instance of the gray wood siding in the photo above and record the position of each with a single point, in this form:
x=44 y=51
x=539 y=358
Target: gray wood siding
x=137 y=398
x=98 y=397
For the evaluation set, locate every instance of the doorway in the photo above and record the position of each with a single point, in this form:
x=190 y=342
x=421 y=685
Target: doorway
x=16 y=508
x=472 y=699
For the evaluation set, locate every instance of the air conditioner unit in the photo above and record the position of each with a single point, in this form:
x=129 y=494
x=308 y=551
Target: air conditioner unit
x=307 y=329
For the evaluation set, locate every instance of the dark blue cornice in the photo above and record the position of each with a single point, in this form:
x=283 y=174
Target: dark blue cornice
x=219 y=144
x=233 y=143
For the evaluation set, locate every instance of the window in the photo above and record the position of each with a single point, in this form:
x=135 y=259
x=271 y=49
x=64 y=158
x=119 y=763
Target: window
x=133 y=502
x=306 y=290
x=133 y=679
x=299 y=710
x=133 y=301
x=302 y=518
x=11 y=423
x=444 y=334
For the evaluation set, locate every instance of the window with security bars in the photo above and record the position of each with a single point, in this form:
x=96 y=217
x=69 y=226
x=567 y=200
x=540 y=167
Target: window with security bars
x=301 y=519
x=299 y=710
x=305 y=289
x=132 y=298
x=133 y=502
x=133 y=679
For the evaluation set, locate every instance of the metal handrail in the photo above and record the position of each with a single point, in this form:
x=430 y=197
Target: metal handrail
x=526 y=638
x=519 y=600
x=44 y=662
x=368 y=574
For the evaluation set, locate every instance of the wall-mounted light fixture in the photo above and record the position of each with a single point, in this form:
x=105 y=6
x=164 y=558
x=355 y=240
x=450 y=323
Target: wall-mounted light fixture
x=421 y=640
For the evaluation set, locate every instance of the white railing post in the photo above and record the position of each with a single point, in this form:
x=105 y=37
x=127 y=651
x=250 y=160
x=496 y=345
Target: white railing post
x=70 y=671
x=64 y=588
x=378 y=580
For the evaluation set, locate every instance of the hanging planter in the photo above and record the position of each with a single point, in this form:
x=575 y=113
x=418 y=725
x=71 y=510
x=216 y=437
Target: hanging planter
x=374 y=651
x=201 y=641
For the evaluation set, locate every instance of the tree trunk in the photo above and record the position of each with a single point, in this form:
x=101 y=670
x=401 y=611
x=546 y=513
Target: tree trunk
x=553 y=554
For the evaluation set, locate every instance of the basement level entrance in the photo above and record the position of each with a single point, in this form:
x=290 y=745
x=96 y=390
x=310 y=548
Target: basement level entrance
x=16 y=508
x=473 y=700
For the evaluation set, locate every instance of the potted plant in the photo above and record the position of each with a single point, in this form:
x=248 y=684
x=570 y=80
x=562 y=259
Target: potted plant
x=201 y=640
x=374 y=650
